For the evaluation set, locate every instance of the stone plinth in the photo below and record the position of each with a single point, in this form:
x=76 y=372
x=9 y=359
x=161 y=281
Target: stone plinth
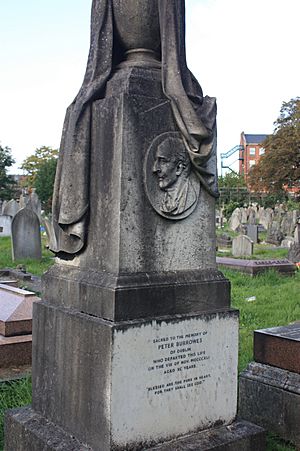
x=15 y=310
x=15 y=325
x=270 y=397
x=182 y=365
x=278 y=346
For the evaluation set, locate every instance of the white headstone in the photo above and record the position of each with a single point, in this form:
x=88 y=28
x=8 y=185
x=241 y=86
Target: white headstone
x=242 y=246
x=11 y=208
x=5 y=225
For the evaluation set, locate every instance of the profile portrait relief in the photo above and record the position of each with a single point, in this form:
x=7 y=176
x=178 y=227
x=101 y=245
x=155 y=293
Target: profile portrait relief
x=172 y=167
x=170 y=182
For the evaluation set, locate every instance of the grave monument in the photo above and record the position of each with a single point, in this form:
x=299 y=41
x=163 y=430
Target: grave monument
x=134 y=342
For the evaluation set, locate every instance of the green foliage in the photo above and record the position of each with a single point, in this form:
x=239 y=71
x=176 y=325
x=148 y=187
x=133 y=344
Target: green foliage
x=44 y=183
x=40 y=174
x=231 y=180
x=279 y=167
x=6 y=182
x=13 y=394
x=230 y=207
x=32 y=164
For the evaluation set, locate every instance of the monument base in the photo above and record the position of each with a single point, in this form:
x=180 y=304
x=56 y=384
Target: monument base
x=133 y=384
x=30 y=431
x=270 y=397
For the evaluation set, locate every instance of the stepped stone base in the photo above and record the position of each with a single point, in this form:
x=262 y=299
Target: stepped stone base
x=30 y=431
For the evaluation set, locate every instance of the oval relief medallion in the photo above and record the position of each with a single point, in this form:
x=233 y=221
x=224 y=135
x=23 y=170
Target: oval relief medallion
x=171 y=185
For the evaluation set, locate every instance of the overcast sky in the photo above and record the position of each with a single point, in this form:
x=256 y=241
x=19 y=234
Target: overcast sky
x=244 y=52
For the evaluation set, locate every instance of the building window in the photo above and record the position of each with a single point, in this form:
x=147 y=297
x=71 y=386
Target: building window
x=251 y=163
x=261 y=151
x=252 y=151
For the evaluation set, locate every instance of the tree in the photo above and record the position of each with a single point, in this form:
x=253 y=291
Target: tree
x=6 y=181
x=40 y=171
x=32 y=164
x=44 y=182
x=231 y=180
x=279 y=167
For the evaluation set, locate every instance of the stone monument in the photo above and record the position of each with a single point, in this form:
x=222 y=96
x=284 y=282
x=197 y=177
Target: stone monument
x=134 y=343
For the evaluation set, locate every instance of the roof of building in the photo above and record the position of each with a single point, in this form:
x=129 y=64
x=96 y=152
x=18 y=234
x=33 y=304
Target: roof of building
x=255 y=139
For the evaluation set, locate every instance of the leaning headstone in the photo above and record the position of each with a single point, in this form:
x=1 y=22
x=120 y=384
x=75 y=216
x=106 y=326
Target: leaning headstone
x=5 y=225
x=26 y=237
x=135 y=343
x=244 y=217
x=270 y=386
x=242 y=246
x=11 y=208
x=235 y=220
x=252 y=216
x=274 y=235
x=252 y=232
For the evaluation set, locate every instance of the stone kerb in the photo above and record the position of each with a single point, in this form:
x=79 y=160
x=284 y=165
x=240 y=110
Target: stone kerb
x=242 y=246
x=26 y=237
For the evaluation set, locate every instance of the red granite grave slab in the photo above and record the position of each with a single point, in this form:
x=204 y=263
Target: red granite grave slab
x=279 y=346
x=15 y=310
x=15 y=350
x=254 y=267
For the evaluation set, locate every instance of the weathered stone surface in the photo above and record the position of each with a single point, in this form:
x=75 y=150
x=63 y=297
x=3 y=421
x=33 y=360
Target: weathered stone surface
x=278 y=346
x=201 y=346
x=123 y=297
x=294 y=253
x=252 y=232
x=274 y=236
x=242 y=246
x=244 y=216
x=252 y=215
x=5 y=225
x=270 y=397
x=11 y=208
x=31 y=431
x=254 y=267
x=26 y=237
x=266 y=217
x=15 y=310
x=287 y=242
x=235 y=220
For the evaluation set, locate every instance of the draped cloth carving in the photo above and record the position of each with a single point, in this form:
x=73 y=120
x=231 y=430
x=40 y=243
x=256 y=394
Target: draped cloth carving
x=194 y=114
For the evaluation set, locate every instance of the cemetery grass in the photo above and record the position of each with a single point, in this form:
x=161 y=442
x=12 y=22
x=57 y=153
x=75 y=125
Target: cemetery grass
x=32 y=266
x=277 y=302
x=13 y=394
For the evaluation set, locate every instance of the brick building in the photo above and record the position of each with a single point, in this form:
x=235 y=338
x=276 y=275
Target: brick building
x=251 y=153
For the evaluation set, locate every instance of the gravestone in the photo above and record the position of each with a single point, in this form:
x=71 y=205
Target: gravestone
x=274 y=235
x=135 y=342
x=270 y=386
x=252 y=216
x=35 y=203
x=5 y=225
x=11 y=208
x=26 y=237
x=255 y=267
x=3 y=206
x=242 y=246
x=266 y=217
x=235 y=220
x=252 y=232
x=244 y=217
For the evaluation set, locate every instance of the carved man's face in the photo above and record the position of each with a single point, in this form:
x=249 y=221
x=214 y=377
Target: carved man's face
x=166 y=166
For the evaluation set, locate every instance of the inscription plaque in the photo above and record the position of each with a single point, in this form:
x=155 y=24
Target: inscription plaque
x=182 y=376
